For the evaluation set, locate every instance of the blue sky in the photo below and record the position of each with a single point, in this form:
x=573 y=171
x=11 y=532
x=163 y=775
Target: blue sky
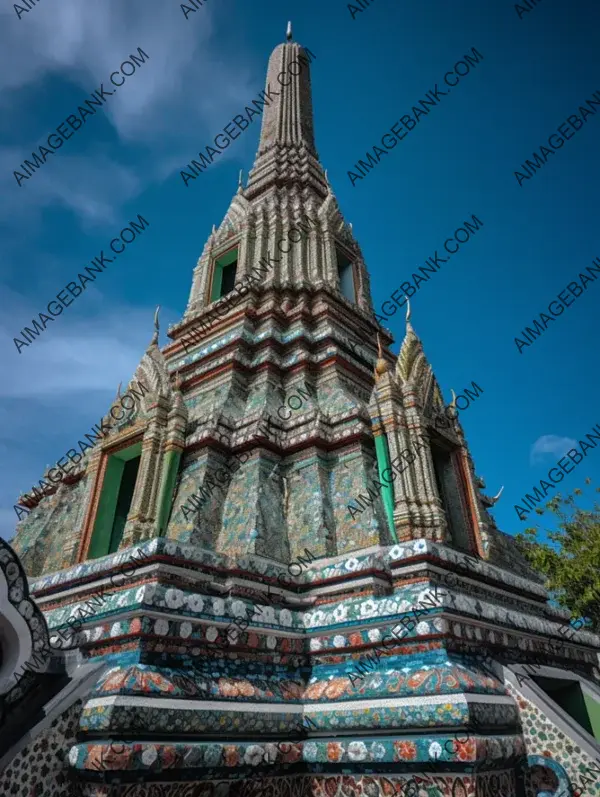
x=369 y=71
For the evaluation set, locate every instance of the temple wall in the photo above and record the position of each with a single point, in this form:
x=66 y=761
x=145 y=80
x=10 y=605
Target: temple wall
x=48 y=537
x=543 y=738
x=42 y=768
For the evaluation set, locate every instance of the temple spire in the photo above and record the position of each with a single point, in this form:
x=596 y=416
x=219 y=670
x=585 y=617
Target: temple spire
x=285 y=193
x=286 y=150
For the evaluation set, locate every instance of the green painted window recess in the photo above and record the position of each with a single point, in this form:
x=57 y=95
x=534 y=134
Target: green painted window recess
x=115 y=501
x=577 y=702
x=224 y=271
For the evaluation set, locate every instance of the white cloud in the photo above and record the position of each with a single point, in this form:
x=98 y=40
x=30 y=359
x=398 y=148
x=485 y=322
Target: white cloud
x=86 y=354
x=56 y=389
x=85 y=42
x=176 y=102
x=550 y=446
x=169 y=109
x=92 y=188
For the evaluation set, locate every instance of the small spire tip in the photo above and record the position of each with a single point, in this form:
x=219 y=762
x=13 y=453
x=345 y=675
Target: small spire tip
x=156 y=325
x=288 y=33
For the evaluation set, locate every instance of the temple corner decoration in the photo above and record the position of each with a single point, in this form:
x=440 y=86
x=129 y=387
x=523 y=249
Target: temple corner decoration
x=274 y=571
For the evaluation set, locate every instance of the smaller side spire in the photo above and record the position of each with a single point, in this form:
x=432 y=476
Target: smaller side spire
x=288 y=33
x=496 y=498
x=381 y=366
x=411 y=352
x=453 y=402
x=178 y=383
x=154 y=341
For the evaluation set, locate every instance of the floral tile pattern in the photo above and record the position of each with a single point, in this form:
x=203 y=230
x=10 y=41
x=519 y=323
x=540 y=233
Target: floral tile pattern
x=40 y=768
x=210 y=755
x=545 y=739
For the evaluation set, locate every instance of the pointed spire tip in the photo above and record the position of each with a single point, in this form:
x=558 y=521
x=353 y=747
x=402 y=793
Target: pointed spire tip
x=496 y=498
x=381 y=366
x=156 y=326
x=288 y=33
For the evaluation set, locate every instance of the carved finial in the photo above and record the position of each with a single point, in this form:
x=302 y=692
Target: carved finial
x=178 y=380
x=240 y=178
x=407 y=311
x=118 y=391
x=453 y=402
x=496 y=497
x=288 y=33
x=156 y=325
x=381 y=366
x=213 y=232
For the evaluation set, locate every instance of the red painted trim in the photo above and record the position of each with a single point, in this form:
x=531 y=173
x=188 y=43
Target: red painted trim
x=468 y=499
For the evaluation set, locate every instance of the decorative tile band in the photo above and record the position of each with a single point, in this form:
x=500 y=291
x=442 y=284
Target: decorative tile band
x=383 y=750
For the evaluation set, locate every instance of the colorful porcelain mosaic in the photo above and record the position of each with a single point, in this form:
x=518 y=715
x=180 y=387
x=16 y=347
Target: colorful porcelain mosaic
x=247 y=682
x=545 y=740
x=498 y=784
x=41 y=769
x=210 y=756
x=182 y=711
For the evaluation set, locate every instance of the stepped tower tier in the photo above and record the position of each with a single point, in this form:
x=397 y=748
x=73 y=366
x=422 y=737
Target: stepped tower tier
x=268 y=368
x=287 y=153
x=273 y=571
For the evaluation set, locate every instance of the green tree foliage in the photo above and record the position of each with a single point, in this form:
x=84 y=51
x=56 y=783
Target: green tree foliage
x=571 y=561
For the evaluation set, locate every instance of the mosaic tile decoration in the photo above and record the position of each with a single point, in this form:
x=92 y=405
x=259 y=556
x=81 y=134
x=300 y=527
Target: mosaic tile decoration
x=41 y=769
x=191 y=555
x=157 y=757
x=185 y=709
x=332 y=617
x=245 y=681
x=496 y=784
x=384 y=559
x=200 y=618
x=538 y=781
x=544 y=740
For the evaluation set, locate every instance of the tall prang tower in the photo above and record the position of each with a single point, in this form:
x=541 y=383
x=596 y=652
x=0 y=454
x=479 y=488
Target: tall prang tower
x=277 y=574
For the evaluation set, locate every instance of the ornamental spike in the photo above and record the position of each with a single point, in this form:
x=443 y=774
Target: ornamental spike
x=156 y=326
x=496 y=497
